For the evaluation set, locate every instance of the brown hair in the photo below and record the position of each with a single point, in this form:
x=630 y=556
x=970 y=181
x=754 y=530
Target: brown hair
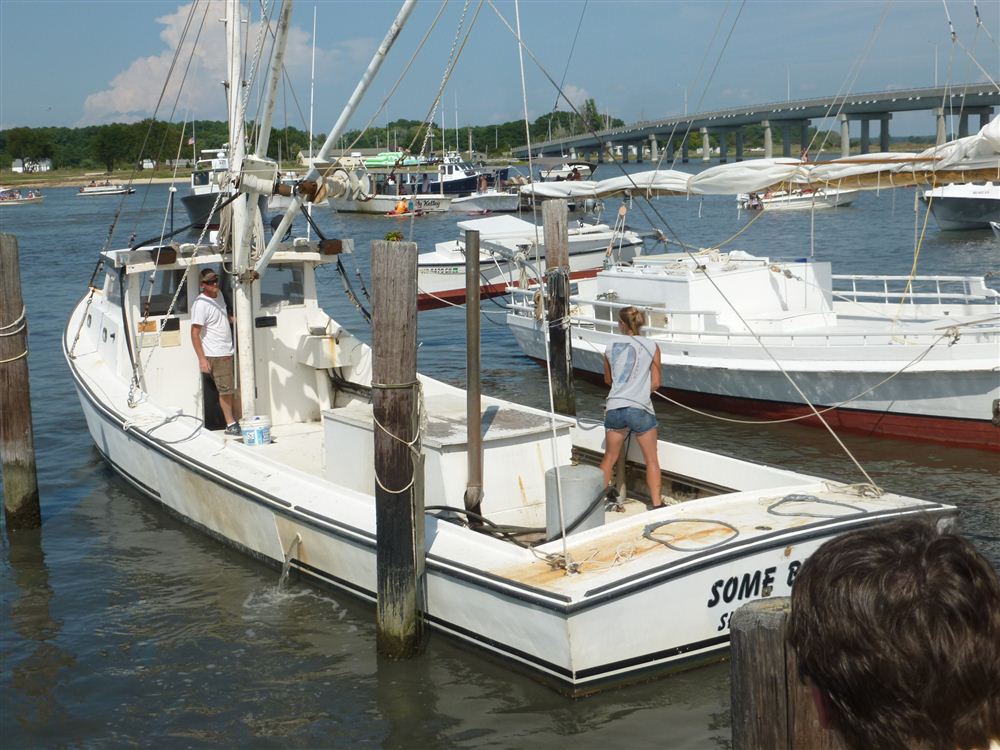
x=632 y=320
x=899 y=626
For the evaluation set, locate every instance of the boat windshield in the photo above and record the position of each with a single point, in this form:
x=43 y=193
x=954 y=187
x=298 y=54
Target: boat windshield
x=156 y=293
x=199 y=178
x=282 y=283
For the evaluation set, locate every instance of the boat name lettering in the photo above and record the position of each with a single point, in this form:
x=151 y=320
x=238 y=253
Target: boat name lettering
x=749 y=585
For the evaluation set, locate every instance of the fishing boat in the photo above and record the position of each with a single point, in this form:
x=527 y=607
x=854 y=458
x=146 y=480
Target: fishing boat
x=896 y=356
x=205 y=196
x=805 y=199
x=14 y=197
x=506 y=244
x=964 y=205
x=298 y=489
x=106 y=188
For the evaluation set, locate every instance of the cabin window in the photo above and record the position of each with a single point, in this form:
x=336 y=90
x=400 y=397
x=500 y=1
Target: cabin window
x=112 y=289
x=282 y=284
x=199 y=178
x=157 y=290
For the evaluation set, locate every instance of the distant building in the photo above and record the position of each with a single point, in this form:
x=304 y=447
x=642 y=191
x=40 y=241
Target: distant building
x=31 y=165
x=147 y=164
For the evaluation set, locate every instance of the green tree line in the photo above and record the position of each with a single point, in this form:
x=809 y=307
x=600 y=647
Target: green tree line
x=130 y=144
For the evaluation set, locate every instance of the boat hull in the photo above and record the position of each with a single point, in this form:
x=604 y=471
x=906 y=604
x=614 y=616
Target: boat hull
x=957 y=408
x=796 y=202
x=383 y=204
x=199 y=209
x=953 y=214
x=565 y=644
x=481 y=203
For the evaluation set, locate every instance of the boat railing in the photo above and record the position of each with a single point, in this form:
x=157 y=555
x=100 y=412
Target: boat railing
x=913 y=289
x=689 y=326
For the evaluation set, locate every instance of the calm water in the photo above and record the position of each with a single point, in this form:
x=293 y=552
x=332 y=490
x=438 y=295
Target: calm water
x=121 y=626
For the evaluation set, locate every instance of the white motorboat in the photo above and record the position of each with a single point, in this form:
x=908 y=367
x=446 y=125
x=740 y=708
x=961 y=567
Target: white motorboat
x=805 y=199
x=995 y=226
x=105 y=189
x=202 y=202
x=305 y=499
x=504 y=243
x=764 y=337
x=964 y=205
x=14 y=197
x=487 y=202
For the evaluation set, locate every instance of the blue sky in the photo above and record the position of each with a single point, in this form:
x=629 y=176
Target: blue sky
x=78 y=62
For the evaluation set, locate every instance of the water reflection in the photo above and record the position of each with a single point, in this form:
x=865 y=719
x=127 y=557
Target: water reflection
x=37 y=661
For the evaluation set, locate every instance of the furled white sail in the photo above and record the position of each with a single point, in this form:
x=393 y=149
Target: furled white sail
x=976 y=157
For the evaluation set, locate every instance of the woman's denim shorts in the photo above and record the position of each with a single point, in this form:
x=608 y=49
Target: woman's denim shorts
x=629 y=418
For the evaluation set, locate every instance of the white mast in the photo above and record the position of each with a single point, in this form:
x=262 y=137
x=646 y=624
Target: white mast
x=339 y=127
x=312 y=89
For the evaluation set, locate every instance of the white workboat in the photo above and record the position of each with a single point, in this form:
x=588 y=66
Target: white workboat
x=805 y=199
x=487 y=202
x=302 y=495
x=964 y=205
x=382 y=204
x=505 y=242
x=921 y=364
x=105 y=189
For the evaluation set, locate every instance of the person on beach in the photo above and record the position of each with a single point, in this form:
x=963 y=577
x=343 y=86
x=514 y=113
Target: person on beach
x=632 y=369
x=213 y=343
x=897 y=633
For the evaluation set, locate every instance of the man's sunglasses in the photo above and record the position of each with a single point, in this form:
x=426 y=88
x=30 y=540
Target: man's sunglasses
x=211 y=282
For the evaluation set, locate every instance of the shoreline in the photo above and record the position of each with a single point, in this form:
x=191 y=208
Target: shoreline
x=41 y=183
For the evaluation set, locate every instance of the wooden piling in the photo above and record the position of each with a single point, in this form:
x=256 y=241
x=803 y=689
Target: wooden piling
x=399 y=502
x=556 y=234
x=473 y=402
x=772 y=709
x=17 y=451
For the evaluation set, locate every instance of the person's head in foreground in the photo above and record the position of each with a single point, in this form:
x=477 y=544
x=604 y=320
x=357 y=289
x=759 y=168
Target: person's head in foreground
x=897 y=632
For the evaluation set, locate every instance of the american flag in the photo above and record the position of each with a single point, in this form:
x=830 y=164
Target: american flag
x=191 y=141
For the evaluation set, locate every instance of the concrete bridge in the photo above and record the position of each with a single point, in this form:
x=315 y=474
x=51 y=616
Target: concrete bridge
x=962 y=101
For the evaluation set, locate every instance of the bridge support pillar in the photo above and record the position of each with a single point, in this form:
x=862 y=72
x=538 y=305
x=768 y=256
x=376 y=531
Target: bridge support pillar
x=786 y=139
x=768 y=140
x=739 y=144
x=845 y=136
x=654 y=149
x=684 y=150
x=706 y=145
x=572 y=152
x=609 y=150
x=985 y=115
x=963 y=125
x=804 y=140
x=640 y=152
x=883 y=132
x=865 y=137
x=941 y=130
x=723 y=146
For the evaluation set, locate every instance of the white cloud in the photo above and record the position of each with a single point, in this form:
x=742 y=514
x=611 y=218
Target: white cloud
x=133 y=93
x=575 y=94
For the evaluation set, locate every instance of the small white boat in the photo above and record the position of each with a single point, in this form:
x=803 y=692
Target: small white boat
x=14 y=197
x=487 y=202
x=504 y=239
x=881 y=355
x=106 y=189
x=383 y=204
x=995 y=226
x=964 y=205
x=206 y=179
x=796 y=200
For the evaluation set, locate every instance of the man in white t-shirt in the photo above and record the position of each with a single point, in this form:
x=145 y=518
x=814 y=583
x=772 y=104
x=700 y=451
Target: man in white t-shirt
x=213 y=343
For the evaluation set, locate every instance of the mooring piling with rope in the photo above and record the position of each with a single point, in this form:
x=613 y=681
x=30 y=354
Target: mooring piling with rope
x=399 y=500
x=21 y=506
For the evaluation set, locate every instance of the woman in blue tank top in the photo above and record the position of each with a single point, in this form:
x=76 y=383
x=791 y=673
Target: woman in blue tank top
x=632 y=369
